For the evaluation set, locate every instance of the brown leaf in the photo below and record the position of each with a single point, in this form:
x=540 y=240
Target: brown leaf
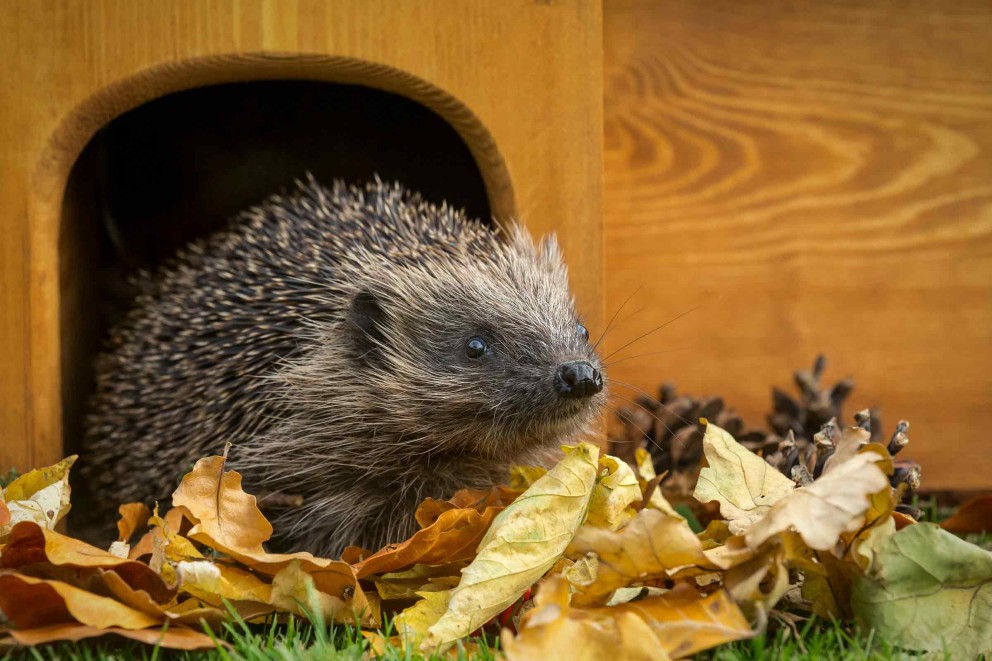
x=31 y=544
x=454 y=537
x=228 y=520
x=30 y=602
x=220 y=508
x=176 y=638
x=133 y=517
x=648 y=547
x=676 y=624
x=974 y=516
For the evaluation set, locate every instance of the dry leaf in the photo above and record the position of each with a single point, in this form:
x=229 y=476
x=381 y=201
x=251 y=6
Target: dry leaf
x=175 y=638
x=133 y=517
x=523 y=542
x=649 y=547
x=454 y=537
x=228 y=520
x=615 y=489
x=31 y=544
x=550 y=632
x=645 y=466
x=744 y=484
x=412 y=624
x=974 y=516
x=30 y=602
x=677 y=624
x=521 y=477
x=41 y=496
x=833 y=504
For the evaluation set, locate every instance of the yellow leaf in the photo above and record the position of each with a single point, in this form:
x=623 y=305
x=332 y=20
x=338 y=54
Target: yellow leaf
x=744 y=484
x=651 y=545
x=616 y=488
x=677 y=624
x=521 y=477
x=213 y=582
x=41 y=496
x=833 y=504
x=645 y=466
x=524 y=541
x=412 y=623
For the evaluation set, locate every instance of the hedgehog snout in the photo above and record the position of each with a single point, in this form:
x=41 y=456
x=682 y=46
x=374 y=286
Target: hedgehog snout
x=578 y=379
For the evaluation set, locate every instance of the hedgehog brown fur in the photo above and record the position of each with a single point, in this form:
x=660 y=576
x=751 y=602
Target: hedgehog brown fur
x=324 y=334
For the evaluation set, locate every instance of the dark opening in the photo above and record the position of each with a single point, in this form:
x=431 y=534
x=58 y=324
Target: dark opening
x=178 y=167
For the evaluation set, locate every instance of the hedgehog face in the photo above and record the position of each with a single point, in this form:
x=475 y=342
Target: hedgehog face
x=487 y=352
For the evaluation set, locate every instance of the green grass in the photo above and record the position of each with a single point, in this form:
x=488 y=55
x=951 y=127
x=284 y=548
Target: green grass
x=296 y=639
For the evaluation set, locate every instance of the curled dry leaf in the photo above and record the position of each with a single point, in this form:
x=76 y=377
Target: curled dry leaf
x=649 y=547
x=524 y=541
x=744 y=484
x=31 y=544
x=928 y=590
x=41 y=496
x=453 y=537
x=833 y=504
x=615 y=490
x=677 y=624
x=172 y=638
x=645 y=466
x=228 y=520
x=30 y=602
x=133 y=517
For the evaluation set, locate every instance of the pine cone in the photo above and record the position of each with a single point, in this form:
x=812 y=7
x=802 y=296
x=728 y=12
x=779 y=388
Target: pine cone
x=803 y=440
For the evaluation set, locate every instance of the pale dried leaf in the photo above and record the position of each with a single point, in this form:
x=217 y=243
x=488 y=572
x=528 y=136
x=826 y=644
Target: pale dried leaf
x=744 y=484
x=524 y=541
x=833 y=504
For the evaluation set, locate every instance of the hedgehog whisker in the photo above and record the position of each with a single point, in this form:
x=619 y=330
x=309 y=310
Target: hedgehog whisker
x=609 y=324
x=643 y=392
x=653 y=330
x=620 y=414
x=642 y=355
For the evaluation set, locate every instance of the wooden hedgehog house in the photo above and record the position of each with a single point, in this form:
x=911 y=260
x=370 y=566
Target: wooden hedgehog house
x=131 y=128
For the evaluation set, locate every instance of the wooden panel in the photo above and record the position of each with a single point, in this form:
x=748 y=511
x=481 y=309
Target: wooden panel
x=817 y=176
x=532 y=120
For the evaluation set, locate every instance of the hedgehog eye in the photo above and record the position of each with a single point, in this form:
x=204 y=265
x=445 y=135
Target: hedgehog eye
x=583 y=331
x=476 y=347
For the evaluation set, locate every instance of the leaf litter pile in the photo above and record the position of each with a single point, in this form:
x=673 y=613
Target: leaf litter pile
x=588 y=559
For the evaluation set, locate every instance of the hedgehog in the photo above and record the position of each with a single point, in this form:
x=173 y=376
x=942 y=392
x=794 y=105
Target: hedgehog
x=358 y=346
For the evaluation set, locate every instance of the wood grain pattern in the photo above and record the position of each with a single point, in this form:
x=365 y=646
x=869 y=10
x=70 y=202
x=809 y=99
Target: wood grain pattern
x=533 y=122
x=818 y=177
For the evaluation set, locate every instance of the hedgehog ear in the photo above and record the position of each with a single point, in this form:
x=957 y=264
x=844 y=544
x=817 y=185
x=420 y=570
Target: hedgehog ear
x=366 y=321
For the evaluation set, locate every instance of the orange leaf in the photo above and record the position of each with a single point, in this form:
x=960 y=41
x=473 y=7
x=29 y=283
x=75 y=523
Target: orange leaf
x=31 y=544
x=4 y=512
x=974 y=516
x=648 y=547
x=455 y=536
x=30 y=602
x=176 y=638
x=133 y=516
x=677 y=624
x=228 y=520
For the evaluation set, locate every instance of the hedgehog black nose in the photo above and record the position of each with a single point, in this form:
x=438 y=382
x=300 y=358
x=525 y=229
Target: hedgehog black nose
x=578 y=379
